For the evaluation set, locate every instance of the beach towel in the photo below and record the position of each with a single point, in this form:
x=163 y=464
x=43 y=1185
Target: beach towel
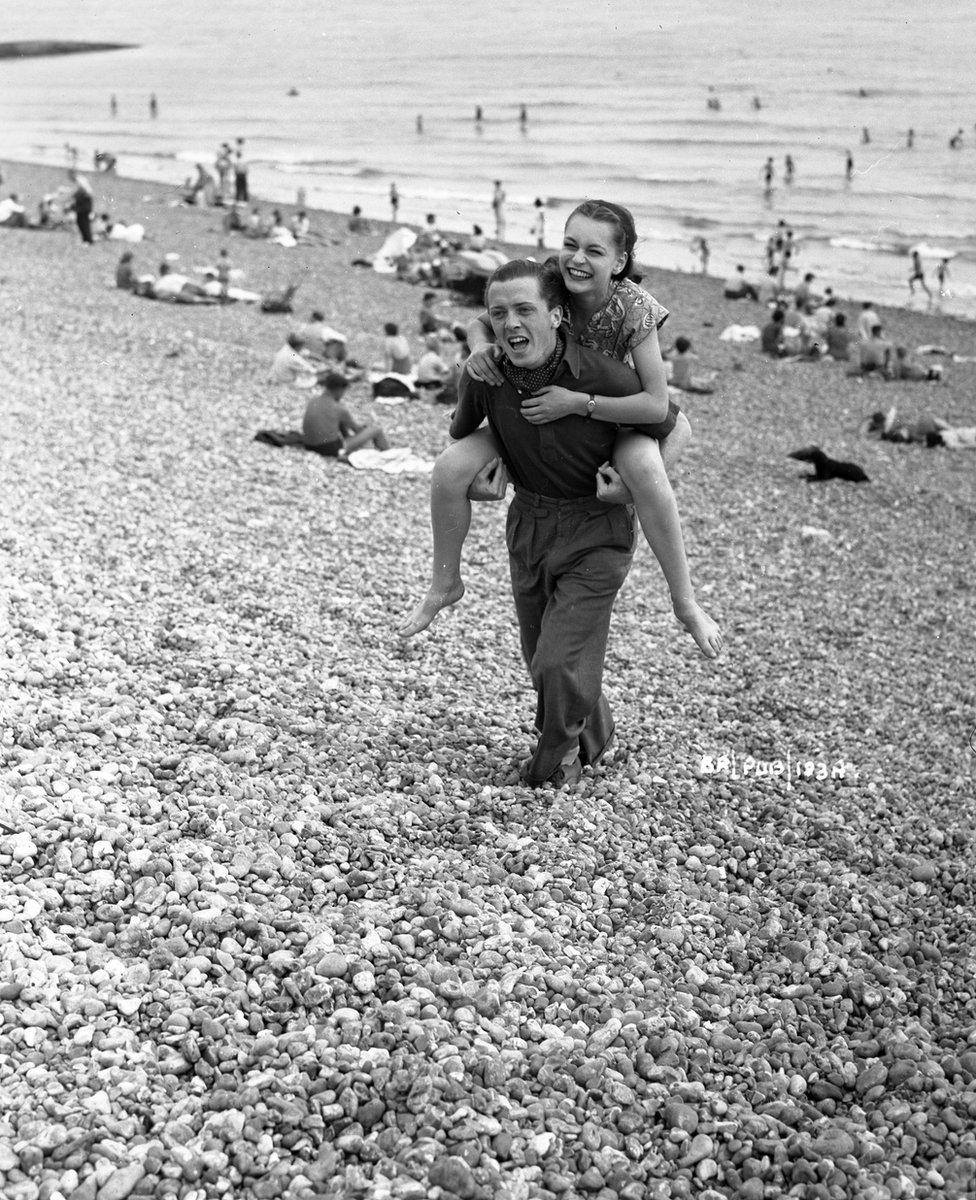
x=398 y=461
x=740 y=333
x=396 y=245
x=127 y=233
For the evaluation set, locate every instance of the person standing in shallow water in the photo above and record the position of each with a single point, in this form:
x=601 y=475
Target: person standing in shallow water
x=153 y=106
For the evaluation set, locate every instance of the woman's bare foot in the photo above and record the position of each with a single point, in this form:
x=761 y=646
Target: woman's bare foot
x=701 y=627
x=430 y=606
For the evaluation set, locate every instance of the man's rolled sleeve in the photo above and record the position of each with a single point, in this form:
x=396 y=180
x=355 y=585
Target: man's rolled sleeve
x=470 y=411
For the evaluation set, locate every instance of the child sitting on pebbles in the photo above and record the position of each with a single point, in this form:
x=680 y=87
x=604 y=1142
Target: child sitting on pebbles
x=329 y=428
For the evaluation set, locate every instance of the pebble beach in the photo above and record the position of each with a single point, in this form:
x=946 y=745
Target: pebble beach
x=275 y=920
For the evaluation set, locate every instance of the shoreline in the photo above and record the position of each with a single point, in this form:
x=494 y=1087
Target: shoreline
x=375 y=210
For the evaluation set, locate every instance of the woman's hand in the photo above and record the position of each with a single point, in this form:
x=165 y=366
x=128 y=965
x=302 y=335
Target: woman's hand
x=482 y=364
x=551 y=404
x=610 y=488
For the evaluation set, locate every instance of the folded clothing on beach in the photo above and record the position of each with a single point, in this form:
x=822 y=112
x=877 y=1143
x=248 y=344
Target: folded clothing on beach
x=398 y=461
x=280 y=437
x=740 y=333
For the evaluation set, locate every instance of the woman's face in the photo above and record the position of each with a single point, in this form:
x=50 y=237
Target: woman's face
x=589 y=256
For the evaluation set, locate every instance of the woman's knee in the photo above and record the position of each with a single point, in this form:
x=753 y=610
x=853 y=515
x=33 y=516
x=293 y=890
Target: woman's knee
x=638 y=460
x=461 y=461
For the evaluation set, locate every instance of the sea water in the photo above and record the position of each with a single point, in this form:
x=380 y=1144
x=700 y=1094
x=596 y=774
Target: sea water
x=617 y=98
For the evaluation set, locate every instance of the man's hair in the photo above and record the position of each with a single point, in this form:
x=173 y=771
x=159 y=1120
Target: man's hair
x=334 y=382
x=778 y=316
x=295 y=340
x=317 y=316
x=876 y=329
x=620 y=221
x=840 y=320
x=681 y=344
x=391 y=328
x=550 y=280
x=429 y=296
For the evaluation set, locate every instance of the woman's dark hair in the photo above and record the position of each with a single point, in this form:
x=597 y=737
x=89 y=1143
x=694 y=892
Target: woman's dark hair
x=840 y=320
x=391 y=329
x=624 y=230
x=551 y=287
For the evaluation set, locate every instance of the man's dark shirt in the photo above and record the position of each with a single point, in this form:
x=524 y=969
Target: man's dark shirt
x=561 y=458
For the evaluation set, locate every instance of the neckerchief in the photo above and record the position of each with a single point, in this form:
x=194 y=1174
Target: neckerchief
x=532 y=380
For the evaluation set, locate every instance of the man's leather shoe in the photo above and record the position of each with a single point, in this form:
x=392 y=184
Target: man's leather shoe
x=565 y=775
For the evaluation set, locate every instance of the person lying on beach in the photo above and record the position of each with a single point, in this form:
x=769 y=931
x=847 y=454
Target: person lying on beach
x=904 y=367
x=607 y=311
x=175 y=286
x=330 y=429
x=738 y=287
x=682 y=359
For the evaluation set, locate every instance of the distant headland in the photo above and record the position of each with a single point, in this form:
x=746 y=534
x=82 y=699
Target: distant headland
x=40 y=48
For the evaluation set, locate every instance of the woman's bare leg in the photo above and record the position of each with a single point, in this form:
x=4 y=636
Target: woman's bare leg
x=450 y=520
x=638 y=460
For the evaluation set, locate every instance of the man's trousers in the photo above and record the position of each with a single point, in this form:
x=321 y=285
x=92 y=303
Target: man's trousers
x=568 y=560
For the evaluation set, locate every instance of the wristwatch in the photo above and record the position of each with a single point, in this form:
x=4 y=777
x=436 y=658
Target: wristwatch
x=591 y=405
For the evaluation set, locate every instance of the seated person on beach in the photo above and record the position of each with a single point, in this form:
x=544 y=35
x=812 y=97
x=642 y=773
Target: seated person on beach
x=803 y=293
x=300 y=226
x=682 y=359
x=125 y=275
x=429 y=237
x=874 y=356
x=430 y=322
x=432 y=370
x=357 y=222
x=839 y=339
x=396 y=350
x=291 y=366
x=477 y=241
x=811 y=335
x=234 y=219
x=279 y=233
x=255 y=226
x=737 y=287
x=322 y=341
x=867 y=320
x=771 y=339
x=329 y=428
x=904 y=367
